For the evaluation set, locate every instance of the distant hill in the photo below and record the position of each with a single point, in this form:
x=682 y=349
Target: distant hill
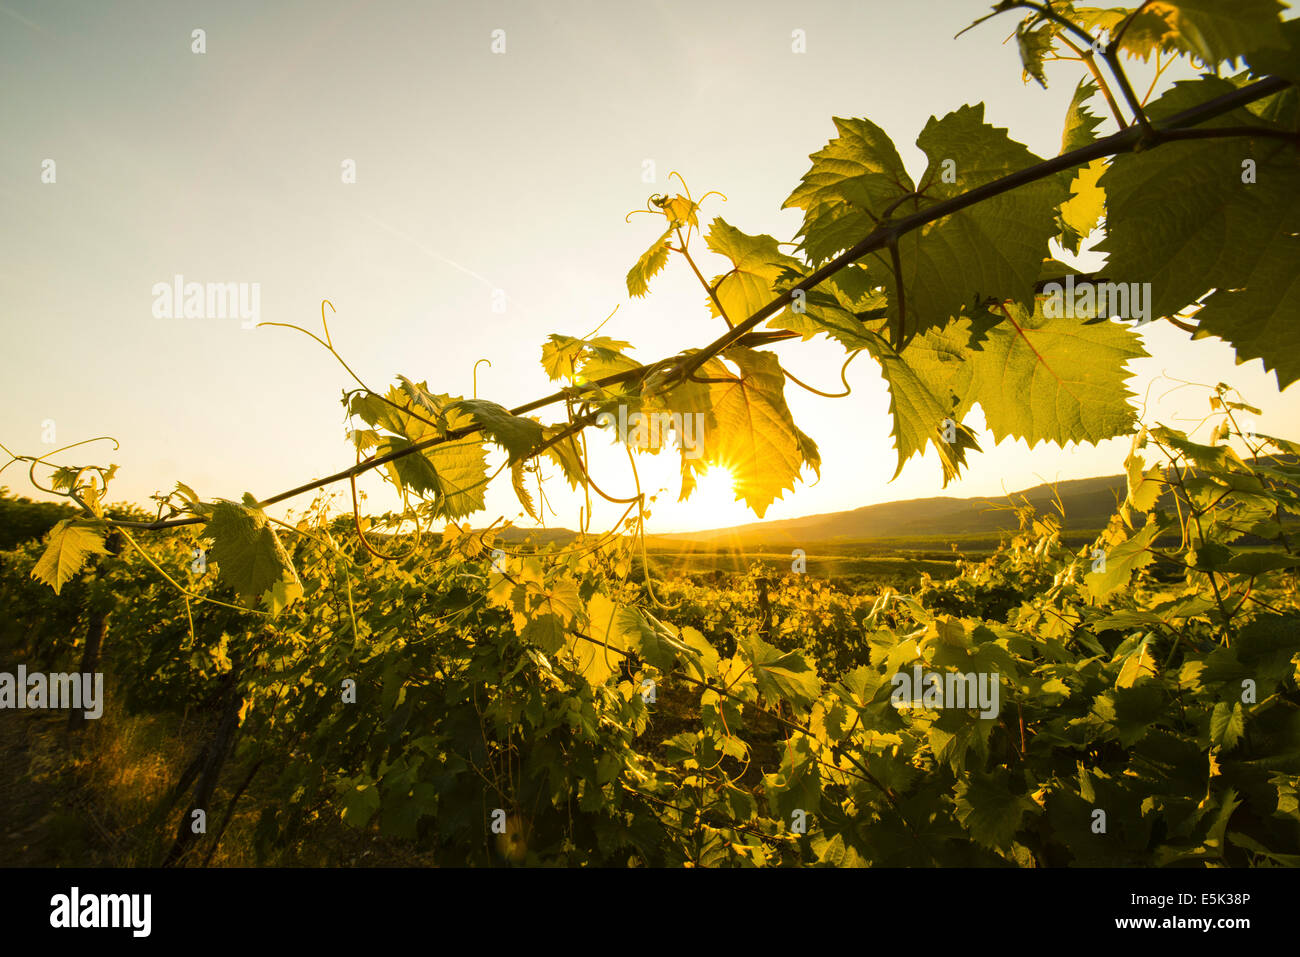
x=1089 y=504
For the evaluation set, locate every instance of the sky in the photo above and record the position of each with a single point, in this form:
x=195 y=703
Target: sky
x=482 y=179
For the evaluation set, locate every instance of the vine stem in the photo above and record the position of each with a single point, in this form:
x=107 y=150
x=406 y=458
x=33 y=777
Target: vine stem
x=713 y=295
x=1090 y=61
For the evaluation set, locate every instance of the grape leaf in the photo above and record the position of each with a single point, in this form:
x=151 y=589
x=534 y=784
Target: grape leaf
x=1057 y=380
x=756 y=262
x=990 y=809
x=1138 y=664
x=562 y=356
x=410 y=411
x=419 y=401
x=1169 y=209
x=925 y=389
x=612 y=624
x=702 y=658
x=517 y=435
x=1146 y=32
x=1227 y=725
x=191 y=497
x=1082 y=212
x=854 y=287
x=246 y=548
x=679 y=211
x=546 y=631
x=460 y=477
x=566 y=454
x=689 y=398
x=853 y=179
x=360 y=803
x=597 y=365
x=822 y=314
x=1257 y=309
x=1275 y=61
x=412 y=470
x=454 y=472
x=64 y=478
x=627 y=627
x=755 y=437
x=1215 y=31
x=1079 y=215
x=812 y=456
x=833 y=307
x=781 y=675
x=1261 y=562
x=1121 y=561
x=67 y=547
x=1080 y=122
x=796 y=785
x=1211 y=30
x=991 y=250
x=281 y=595
x=546 y=608
x=1144 y=485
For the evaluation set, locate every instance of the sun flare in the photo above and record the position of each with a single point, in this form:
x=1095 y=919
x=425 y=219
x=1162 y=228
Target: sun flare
x=715 y=495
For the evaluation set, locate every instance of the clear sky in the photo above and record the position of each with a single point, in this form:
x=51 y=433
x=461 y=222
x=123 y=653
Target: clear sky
x=475 y=171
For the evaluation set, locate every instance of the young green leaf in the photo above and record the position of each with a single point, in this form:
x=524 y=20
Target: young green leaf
x=651 y=261
x=564 y=356
x=521 y=490
x=1034 y=45
x=756 y=262
x=1080 y=122
x=67 y=547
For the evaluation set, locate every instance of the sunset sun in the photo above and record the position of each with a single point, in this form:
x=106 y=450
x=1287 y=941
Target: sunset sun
x=715 y=494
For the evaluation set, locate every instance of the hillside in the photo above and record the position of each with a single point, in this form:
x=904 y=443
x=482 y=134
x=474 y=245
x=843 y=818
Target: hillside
x=1088 y=504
